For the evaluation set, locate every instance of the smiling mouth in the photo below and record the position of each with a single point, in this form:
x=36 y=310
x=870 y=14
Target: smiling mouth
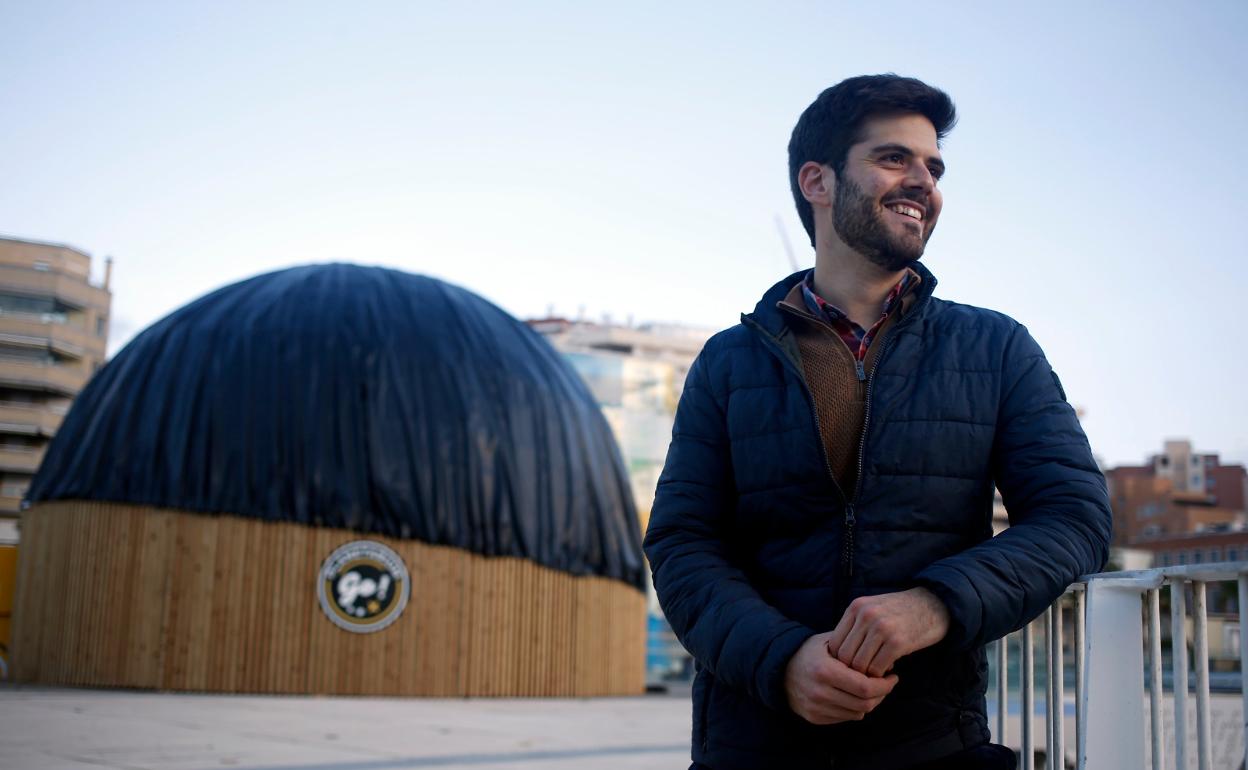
x=906 y=210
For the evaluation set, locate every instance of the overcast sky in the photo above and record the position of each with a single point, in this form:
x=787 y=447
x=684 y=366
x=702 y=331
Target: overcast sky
x=631 y=161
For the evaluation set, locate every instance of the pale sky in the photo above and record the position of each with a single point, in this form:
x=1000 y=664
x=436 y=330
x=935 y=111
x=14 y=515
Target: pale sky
x=630 y=160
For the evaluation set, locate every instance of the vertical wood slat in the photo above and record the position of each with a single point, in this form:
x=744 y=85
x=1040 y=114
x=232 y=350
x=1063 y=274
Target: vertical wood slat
x=118 y=595
x=125 y=572
x=25 y=635
x=84 y=644
x=64 y=665
x=28 y=606
x=21 y=635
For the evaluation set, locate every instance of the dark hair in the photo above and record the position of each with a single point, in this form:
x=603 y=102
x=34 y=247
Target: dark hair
x=832 y=123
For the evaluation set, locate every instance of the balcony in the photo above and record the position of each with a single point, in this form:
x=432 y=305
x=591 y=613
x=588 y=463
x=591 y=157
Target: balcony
x=66 y=339
x=72 y=291
x=29 y=419
x=67 y=380
x=20 y=459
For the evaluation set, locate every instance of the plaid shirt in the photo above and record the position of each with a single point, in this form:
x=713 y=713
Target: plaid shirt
x=857 y=338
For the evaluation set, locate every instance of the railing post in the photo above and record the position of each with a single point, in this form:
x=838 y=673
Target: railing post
x=1178 y=665
x=1156 y=688
x=1029 y=702
x=1080 y=613
x=1057 y=747
x=1003 y=691
x=1049 y=719
x=1114 y=654
x=1243 y=655
x=1200 y=617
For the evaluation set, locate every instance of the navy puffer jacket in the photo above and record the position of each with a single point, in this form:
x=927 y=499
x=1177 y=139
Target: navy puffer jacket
x=754 y=548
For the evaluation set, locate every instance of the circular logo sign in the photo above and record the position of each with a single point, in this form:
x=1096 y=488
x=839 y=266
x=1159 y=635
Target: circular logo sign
x=363 y=586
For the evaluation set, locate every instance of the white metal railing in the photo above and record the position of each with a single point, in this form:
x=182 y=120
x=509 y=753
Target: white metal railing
x=1108 y=645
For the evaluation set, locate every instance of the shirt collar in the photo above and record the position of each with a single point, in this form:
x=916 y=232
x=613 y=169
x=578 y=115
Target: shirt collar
x=896 y=297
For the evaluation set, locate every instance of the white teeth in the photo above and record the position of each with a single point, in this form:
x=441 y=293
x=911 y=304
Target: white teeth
x=909 y=211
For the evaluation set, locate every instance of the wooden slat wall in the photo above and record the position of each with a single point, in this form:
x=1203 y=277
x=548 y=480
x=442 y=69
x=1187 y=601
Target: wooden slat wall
x=118 y=595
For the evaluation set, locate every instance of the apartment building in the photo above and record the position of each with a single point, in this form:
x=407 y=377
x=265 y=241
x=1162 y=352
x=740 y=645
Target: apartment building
x=636 y=374
x=1178 y=493
x=53 y=336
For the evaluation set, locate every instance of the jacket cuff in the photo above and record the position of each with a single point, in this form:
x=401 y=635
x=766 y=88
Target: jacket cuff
x=770 y=681
x=959 y=596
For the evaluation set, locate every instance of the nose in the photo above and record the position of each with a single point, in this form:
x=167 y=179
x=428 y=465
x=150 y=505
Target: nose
x=919 y=177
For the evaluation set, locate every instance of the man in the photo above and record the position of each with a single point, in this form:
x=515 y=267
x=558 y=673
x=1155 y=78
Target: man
x=821 y=535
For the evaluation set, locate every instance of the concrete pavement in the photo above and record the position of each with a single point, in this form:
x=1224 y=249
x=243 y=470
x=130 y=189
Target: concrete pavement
x=68 y=729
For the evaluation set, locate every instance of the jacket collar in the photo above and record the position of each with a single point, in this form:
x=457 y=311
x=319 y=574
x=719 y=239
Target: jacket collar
x=768 y=316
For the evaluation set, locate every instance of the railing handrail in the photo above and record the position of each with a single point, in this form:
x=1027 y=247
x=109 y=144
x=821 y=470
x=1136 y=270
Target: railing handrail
x=1205 y=573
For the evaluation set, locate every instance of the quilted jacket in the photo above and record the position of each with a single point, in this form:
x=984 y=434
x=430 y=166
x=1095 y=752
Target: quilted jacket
x=754 y=548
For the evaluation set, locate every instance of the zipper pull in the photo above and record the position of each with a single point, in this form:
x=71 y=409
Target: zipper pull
x=862 y=374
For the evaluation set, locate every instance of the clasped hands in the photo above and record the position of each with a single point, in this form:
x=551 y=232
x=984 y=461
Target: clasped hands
x=841 y=675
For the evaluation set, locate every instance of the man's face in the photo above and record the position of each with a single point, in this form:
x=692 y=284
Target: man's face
x=886 y=202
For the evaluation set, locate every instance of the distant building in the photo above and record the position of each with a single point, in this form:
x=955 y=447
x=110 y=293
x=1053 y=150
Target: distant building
x=1198 y=548
x=53 y=336
x=636 y=374
x=1177 y=493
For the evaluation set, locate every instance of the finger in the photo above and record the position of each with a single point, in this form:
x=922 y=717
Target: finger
x=884 y=659
x=890 y=681
x=864 y=658
x=870 y=704
x=839 y=633
x=824 y=705
x=848 y=680
x=833 y=716
x=832 y=698
x=853 y=641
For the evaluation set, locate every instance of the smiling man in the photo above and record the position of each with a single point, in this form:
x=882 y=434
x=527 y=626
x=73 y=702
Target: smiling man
x=821 y=536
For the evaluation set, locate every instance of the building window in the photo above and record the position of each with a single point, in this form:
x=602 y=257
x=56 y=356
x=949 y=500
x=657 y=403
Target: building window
x=1232 y=554
x=1182 y=557
x=1165 y=559
x=1215 y=554
x=1197 y=557
x=13 y=488
x=42 y=266
x=1152 y=530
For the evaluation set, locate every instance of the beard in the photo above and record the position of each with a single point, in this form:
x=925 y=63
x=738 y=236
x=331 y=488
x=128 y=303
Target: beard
x=860 y=225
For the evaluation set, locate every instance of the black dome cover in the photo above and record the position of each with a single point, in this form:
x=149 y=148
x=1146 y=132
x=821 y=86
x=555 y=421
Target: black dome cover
x=363 y=398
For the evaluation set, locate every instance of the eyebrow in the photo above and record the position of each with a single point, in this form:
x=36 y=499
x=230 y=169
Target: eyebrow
x=904 y=150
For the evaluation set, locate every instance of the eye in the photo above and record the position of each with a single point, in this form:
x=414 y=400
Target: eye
x=896 y=158
x=936 y=171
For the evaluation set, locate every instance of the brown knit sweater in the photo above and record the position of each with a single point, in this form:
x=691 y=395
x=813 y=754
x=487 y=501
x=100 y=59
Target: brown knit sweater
x=840 y=399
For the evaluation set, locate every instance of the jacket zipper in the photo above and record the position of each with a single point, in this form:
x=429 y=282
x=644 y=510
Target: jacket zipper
x=862 y=444
x=851 y=520
x=864 y=380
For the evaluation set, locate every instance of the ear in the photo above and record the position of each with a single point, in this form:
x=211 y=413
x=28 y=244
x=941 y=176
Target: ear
x=817 y=183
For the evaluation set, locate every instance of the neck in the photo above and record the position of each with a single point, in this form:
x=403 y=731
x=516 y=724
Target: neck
x=853 y=284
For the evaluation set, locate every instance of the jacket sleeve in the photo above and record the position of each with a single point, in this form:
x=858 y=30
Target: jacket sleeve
x=709 y=602
x=1057 y=502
